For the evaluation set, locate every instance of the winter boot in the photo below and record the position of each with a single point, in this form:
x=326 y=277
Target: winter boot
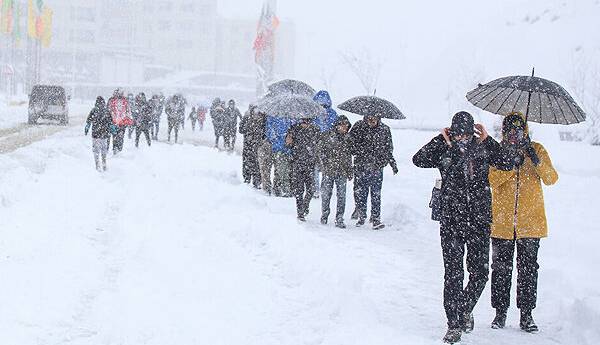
x=340 y=224
x=468 y=323
x=377 y=225
x=500 y=319
x=527 y=324
x=301 y=218
x=354 y=215
x=452 y=336
x=361 y=222
x=324 y=220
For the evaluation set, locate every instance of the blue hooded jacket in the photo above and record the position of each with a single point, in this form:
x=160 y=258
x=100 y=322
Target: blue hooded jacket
x=325 y=122
x=276 y=129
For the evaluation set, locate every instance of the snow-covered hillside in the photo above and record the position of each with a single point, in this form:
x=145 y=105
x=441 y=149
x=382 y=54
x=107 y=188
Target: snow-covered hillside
x=169 y=247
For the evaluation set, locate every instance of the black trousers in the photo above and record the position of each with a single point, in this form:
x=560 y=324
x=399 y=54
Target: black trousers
x=118 y=139
x=173 y=124
x=250 y=167
x=155 y=126
x=138 y=132
x=503 y=252
x=459 y=300
x=303 y=181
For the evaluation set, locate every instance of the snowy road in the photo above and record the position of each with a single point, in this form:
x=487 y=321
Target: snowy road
x=169 y=247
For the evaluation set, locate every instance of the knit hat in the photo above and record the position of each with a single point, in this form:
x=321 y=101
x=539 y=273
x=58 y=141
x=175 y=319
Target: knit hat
x=462 y=124
x=513 y=121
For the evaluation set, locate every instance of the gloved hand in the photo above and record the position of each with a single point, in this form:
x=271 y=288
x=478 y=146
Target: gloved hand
x=530 y=151
x=87 y=128
x=113 y=129
x=394 y=167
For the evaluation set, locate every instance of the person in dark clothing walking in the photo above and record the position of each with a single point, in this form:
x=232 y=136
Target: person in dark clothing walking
x=232 y=114
x=143 y=119
x=335 y=161
x=373 y=150
x=252 y=127
x=175 y=110
x=217 y=115
x=193 y=117
x=519 y=220
x=102 y=127
x=302 y=139
x=463 y=153
x=157 y=108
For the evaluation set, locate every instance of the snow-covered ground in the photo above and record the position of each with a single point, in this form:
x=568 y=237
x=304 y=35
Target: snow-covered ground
x=169 y=247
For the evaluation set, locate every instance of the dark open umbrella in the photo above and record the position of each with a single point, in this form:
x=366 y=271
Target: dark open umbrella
x=540 y=100
x=290 y=86
x=290 y=106
x=372 y=105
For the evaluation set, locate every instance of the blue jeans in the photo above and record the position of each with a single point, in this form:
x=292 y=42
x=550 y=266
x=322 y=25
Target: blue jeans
x=327 y=192
x=368 y=181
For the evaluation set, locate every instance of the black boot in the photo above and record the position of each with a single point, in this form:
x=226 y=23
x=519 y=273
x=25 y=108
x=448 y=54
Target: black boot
x=500 y=319
x=527 y=324
x=468 y=323
x=452 y=336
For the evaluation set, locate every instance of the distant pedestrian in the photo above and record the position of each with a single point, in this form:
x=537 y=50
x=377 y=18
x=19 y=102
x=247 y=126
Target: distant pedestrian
x=302 y=139
x=201 y=116
x=217 y=114
x=143 y=117
x=157 y=106
x=232 y=114
x=193 y=117
x=101 y=123
x=175 y=110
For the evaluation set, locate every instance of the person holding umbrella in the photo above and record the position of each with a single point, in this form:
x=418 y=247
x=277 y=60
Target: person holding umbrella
x=519 y=220
x=302 y=139
x=373 y=150
x=463 y=153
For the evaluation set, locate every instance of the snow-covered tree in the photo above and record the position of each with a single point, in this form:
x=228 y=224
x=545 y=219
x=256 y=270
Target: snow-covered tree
x=364 y=66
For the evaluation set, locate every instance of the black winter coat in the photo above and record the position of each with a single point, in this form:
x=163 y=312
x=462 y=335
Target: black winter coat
x=100 y=120
x=466 y=194
x=372 y=147
x=335 y=155
x=252 y=127
x=304 y=145
x=144 y=115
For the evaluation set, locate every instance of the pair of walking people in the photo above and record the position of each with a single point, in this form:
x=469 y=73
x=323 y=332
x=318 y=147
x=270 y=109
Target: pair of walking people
x=489 y=190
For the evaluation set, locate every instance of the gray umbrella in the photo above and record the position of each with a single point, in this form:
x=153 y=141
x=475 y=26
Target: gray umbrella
x=290 y=86
x=540 y=100
x=290 y=106
x=372 y=105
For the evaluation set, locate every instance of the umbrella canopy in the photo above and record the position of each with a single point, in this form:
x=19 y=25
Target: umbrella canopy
x=541 y=100
x=372 y=105
x=290 y=106
x=290 y=86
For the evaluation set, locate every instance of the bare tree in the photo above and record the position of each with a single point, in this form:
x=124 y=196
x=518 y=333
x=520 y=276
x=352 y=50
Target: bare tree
x=327 y=76
x=585 y=83
x=365 y=67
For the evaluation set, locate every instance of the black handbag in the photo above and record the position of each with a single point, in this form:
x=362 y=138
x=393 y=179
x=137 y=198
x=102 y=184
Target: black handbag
x=436 y=201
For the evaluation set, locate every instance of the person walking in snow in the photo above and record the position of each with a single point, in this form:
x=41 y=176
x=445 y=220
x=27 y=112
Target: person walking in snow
x=302 y=139
x=276 y=130
x=217 y=114
x=157 y=108
x=232 y=114
x=102 y=126
x=325 y=122
x=131 y=102
x=519 y=220
x=335 y=161
x=252 y=127
x=373 y=150
x=201 y=116
x=175 y=110
x=193 y=117
x=119 y=109
x=463 y=154
x=143 y=117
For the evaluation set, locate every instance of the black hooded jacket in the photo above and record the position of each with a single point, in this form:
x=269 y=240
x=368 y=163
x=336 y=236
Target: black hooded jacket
x=100 y=120
x=466 y=194
x=372 y=146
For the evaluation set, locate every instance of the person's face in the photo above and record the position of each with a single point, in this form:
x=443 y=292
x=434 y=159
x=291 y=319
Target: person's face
x=461 y=137
x=305 y=123
x=342 y=128
x=515 y=136
x=372 y=121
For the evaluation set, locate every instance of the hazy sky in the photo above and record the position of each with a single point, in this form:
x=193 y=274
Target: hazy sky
x=434 y=51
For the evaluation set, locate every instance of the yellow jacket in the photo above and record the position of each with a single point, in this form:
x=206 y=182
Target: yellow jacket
x=529 y=220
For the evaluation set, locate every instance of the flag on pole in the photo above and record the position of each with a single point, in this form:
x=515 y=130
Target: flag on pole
x=6 y=17
x=46 y=20
x=264 y=45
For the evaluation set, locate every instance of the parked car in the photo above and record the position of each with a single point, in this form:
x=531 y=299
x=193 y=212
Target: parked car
x=48 y=102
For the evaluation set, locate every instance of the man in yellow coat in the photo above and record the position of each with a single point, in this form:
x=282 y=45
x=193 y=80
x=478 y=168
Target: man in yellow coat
x=519 y=220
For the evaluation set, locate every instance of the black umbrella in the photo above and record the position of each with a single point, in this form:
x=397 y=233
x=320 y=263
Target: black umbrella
x=290 y=106
x=541 y=100
x=372 y=105
x=290 y=86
